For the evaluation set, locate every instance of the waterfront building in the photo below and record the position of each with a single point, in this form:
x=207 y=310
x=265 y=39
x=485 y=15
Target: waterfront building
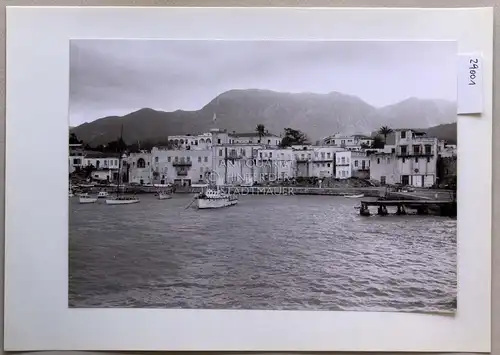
x=76 y=157
x=138 y=169
x=354 y=142
x=275 y=164
x=104 y=165
x=191 y=142
x=315 y=161
x=235 y=157
x=352 y=164
x=448 y=150
x=412 y=160
x=268 y=139
x=181 y=167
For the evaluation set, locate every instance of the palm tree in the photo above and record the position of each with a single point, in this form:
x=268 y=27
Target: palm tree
x=261 y=131
x=385 y=131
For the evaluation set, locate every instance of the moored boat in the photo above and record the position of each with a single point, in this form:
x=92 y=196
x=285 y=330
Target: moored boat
x=211 y=198
x=164 y=196
x=122 y=200
x=354 y=196
x=86 y=198
x=102 y=194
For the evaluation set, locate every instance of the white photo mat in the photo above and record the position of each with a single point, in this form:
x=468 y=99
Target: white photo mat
x=37 y=316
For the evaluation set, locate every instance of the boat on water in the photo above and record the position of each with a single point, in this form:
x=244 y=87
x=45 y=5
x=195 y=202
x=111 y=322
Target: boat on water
x=102 y=194
x=86 y=198
x=212 y=198
x=164 y=196
x=354 y=196
x=120 y=198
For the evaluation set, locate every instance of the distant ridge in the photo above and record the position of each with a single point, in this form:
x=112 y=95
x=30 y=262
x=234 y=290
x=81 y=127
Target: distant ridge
x=318 y=115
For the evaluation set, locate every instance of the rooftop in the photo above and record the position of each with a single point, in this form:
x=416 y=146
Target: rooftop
x=251 y=134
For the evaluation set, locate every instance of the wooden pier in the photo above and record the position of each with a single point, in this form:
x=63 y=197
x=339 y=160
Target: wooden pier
x=441 y=207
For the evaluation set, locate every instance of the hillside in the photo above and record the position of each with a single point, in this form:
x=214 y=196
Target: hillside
x=318 y=115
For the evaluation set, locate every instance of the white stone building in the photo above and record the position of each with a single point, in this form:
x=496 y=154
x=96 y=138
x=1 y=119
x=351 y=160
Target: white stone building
x=138 y=168
x=76 y=157
x=182 y=167
x=275 y=164
x=354 y=142
x=412 y=162
x=352 y=164
x=315 y=161
x=191 y=142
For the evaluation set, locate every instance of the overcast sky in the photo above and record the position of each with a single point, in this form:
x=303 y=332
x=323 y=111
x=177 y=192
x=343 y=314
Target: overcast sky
x=115 y=77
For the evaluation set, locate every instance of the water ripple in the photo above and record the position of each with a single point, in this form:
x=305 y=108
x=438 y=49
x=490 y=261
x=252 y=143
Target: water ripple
x=275 y=252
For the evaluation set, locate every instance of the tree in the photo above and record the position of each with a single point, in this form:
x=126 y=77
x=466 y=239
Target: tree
x=261 y=130
x=88 y=170
x=377 y=143
x=116 y=146
x=293 y=137
x=73 y=139
x=385 y=131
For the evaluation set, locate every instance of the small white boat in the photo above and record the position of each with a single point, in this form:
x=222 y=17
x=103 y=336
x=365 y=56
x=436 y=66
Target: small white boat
x=354 y=196
x=85 y=198
x=164 y=196
x=215 y=199
x=122 y=200
x=102 y=194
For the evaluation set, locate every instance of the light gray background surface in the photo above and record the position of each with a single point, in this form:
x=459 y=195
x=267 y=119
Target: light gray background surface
x=337 y=3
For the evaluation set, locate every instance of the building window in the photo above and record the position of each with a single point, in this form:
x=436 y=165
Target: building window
x=141 y=163
x=218 y=141
x=206 y=160
x=270 y=155
x=403 y=134
x=328 y=164
x=404 y=160
x=428 y=149
x=199 y=159
x=416 y=160
x=220 y=152
x=393 y=150
x=403 y=150
x=156 y=159
x=176 y=159
x=428 y=159
x=356 y=163
x=416 y=149
x=268 y=141
x=329 y=155
x=378 y=160
x=188 y=159
x=343 y=160
x=260 y=154
x=169 y=159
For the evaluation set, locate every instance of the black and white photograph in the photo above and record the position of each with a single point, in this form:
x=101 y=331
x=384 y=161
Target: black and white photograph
x=263 y=175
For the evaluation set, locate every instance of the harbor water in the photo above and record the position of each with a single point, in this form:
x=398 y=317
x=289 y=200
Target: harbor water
x=267 y=252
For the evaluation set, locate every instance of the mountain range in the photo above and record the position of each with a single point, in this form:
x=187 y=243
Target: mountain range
x=317 y=115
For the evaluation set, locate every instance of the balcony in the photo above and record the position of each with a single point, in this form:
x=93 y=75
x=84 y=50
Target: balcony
x=428 y=153
x=323 y=160
x=182 y=172
x=303 y=160
x=182 y=163
x=235 y=156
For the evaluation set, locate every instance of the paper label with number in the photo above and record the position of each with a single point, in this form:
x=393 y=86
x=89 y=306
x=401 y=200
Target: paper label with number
x=470 y=84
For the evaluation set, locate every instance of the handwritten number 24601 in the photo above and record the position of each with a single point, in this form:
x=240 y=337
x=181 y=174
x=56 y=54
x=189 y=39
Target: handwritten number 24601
x=472 y=71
